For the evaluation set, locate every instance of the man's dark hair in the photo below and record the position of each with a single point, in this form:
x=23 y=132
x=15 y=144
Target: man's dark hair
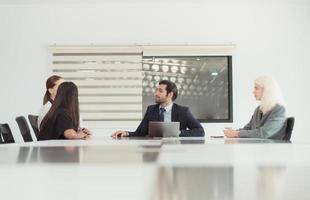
x=170 y=87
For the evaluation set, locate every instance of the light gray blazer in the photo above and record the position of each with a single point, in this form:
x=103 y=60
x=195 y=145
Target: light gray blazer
x=270 y=125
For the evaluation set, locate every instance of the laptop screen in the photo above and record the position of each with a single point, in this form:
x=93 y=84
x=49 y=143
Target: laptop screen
x=164 y=129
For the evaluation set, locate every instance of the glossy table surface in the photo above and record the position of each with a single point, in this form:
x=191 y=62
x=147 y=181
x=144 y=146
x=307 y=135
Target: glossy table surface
x=155 y=168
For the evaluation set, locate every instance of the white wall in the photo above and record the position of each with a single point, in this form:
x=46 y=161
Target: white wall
x=272 y=38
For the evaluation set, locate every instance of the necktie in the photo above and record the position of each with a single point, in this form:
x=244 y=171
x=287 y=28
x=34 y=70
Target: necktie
x=161 y=114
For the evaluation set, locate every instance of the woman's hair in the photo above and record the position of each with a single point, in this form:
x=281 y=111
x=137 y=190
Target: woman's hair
x=50 y=83
x=272 y=94
x=67 y=99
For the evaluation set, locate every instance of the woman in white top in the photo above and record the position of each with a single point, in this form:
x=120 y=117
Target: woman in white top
x=52 y=84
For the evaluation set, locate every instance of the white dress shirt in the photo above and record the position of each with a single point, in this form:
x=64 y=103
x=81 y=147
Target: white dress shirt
x=167 y=113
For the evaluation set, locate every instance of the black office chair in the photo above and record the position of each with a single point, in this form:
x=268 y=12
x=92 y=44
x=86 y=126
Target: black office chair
x=1 y=141
x=33 y=119
x=24 y=128
x=6 y=133
x=290 y=121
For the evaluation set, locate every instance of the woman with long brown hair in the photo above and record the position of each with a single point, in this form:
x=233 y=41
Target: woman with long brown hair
x=63 y=119
x=52 y=84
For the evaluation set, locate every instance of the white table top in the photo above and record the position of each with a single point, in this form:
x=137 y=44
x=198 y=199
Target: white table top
x=169 y=168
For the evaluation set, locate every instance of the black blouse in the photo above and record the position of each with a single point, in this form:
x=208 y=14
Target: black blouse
x=55 y=130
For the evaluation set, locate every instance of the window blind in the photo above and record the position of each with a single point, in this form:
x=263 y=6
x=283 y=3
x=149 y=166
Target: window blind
x=109 y=80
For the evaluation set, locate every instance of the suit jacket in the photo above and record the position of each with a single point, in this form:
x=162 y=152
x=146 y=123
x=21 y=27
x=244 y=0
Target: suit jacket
x=189 y=126
x=270 y=125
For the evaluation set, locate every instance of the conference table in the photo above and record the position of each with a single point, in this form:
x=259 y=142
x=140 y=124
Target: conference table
x=155 y=169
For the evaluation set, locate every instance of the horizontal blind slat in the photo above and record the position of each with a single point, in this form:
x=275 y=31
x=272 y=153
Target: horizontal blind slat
x=116 y=99
x=127 y=66
x=111 y=107
x=112 y=115
x=96 y=49
x=112 y=124
x=108 y=82
x=97 y=58
x=95 y=74
x=91 y=91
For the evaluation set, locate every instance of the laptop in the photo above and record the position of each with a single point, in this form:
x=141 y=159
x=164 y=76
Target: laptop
x=164 y=129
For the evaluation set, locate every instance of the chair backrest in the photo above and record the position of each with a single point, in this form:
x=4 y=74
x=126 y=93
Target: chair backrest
x=24 y=128
x=290 y=121
x=1 y=141
x=6 y=133
x=33 y=119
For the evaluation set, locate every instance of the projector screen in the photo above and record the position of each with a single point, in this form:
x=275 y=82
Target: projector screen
x=204 y=83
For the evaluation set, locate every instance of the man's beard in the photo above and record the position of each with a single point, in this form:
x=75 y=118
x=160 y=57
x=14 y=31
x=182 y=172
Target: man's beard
x=158 y=100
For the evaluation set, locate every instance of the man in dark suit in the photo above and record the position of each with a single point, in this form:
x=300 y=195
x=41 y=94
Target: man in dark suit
x=167 y=111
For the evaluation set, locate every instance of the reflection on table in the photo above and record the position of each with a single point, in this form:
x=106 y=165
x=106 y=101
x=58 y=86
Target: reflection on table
x=157 y=169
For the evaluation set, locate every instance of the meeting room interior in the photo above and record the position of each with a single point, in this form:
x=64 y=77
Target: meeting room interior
x=154 y=100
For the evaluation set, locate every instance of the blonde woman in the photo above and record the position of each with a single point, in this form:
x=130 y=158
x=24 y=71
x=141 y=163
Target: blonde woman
x=269 y=117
